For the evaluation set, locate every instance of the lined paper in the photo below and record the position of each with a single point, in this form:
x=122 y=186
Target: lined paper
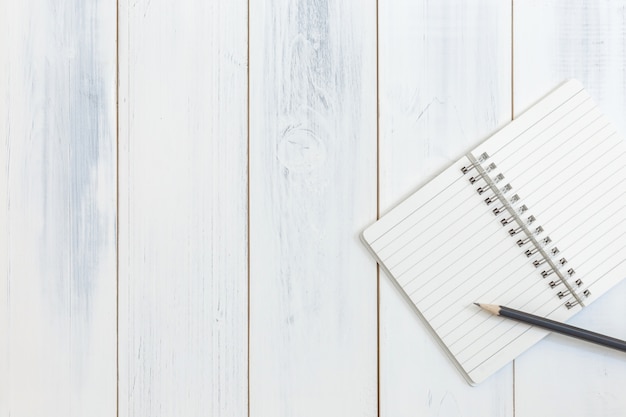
x=569 y=170
x=446 y=249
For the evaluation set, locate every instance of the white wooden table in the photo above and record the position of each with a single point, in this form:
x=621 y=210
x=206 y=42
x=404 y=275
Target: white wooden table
x=183 y=183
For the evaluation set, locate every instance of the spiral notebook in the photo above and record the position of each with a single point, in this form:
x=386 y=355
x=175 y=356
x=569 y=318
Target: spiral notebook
x=533 y=218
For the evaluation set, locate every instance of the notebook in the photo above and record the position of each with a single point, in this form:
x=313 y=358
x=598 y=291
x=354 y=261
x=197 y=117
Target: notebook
x=533 y=219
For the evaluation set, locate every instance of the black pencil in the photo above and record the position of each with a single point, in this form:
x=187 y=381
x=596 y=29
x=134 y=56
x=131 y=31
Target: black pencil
x=555 y=326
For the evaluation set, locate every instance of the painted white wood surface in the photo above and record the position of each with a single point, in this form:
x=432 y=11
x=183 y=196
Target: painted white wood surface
x=183 y=208
x=312 y=189
x=555 y=41
x=57 y=221
x=445 y=84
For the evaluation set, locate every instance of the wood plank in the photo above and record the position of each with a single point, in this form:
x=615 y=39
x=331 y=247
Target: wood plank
x=57 y=187
x=312 y=190
x=554 y=41
x=445 y=85
x=183 y=208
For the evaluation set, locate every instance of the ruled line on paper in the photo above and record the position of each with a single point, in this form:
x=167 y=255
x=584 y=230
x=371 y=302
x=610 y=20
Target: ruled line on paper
x=598 y=236
x=492 y=330
x=556 y=191
x=524 y=143
x=541 y=118
x=415 y=232
x=413 y=224
x=450 y=264
x=462 y=328
x=602 y=250
x=506 y=144
x=542 y=173
x=609 y=255
x=391 y=242
x=493 y=352
x=446 y=248
x=478 y=223
x=500 y=262
x=496 y=278
x=399 y=223
x=572 y=225
x=612 y=255
x=519 y=168
x=592 y=256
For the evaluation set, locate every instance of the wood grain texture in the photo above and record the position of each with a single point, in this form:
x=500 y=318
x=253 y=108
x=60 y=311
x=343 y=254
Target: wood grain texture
x=445 y=85
x=312 y=189
x=57 y=216
x=555 y=41
x=183 y=208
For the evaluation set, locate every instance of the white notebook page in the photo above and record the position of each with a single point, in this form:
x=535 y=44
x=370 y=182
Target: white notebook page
x=446 y=249
x=569 y=169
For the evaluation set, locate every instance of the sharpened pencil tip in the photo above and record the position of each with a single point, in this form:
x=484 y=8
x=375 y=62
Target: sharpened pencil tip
x=477 y=304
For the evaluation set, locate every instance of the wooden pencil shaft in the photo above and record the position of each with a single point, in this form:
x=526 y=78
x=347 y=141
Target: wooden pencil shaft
x=563 y=328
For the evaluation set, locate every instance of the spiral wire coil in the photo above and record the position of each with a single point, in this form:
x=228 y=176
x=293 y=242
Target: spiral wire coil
x=512 y=213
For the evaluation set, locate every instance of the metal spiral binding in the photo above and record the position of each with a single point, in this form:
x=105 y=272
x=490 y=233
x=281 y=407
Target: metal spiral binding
x=512 y=213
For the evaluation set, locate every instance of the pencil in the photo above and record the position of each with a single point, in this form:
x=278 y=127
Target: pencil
x=555 y=326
